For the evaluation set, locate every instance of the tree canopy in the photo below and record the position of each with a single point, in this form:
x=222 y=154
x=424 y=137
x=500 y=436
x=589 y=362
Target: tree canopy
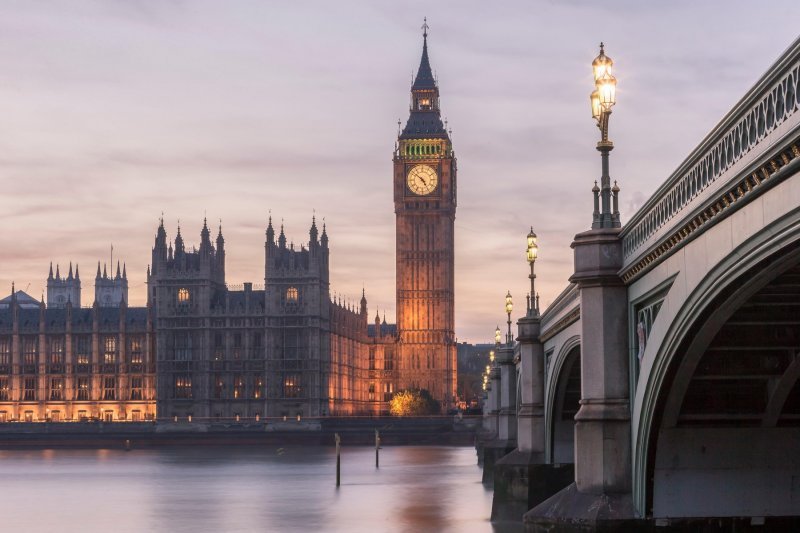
x=413 y=402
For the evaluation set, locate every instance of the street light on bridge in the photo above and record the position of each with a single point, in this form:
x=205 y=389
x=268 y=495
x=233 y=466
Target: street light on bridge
x=532 y=254
x=509 y=308
x=497 y=336
x=603 y=99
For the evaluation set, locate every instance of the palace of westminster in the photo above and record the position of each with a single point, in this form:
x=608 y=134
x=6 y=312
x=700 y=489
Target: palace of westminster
x=200 y=349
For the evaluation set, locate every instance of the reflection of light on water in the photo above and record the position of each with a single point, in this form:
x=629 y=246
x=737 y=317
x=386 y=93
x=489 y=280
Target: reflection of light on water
x=289 y=488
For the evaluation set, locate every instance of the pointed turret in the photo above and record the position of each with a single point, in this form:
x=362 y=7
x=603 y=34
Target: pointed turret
x=424 y=79
x=220 y=239
x=50 y=276
x=205 y=238
x=270 y=232
x=424 y=120
x=118 y=276
x=77 y=272
x=105 y=272
x=312 y=233
x=98 y=271
x=179 y=242
x=69 y=276
x=58 y=274
x=124 y=272
x=282 y=238
x=324 y=239
x=364 y=302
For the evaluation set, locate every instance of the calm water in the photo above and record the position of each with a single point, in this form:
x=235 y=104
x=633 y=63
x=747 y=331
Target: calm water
x=246 y=489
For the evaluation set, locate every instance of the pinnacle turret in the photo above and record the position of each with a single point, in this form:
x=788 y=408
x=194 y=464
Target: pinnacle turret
x=270 y=232
x=282 y=238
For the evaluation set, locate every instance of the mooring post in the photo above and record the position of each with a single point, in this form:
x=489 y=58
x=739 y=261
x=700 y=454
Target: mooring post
x=338 y=459
x=377 y=446
x=127 y=445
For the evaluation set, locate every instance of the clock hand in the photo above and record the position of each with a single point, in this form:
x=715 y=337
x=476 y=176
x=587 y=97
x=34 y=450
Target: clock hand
x=423 y=180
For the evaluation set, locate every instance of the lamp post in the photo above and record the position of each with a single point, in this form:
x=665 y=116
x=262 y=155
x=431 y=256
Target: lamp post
x=497 y=336
x=603 y=99
x=509 y=308
x=532 y=253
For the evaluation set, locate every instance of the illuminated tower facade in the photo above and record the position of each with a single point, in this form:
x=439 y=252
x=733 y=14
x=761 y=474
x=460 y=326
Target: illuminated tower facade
x=425 y=209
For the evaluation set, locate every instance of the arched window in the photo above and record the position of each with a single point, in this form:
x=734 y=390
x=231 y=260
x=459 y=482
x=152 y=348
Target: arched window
x=292 y=295
x=183 y=295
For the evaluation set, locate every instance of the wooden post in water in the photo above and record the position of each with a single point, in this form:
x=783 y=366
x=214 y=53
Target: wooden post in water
x=338 y=459
x=377 y=447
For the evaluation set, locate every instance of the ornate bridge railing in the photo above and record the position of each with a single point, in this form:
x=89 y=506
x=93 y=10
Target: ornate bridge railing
x=757 y=138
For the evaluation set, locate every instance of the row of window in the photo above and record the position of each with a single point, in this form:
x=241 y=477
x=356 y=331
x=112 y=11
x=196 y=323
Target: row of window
x=82 y=347
x=292 y=387
x=82 y=387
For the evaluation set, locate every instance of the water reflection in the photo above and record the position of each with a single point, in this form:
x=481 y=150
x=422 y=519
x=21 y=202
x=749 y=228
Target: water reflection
x=244 y=489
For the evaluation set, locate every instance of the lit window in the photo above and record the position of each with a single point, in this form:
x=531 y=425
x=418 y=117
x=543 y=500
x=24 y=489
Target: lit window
x=292 y=295
x=56 y=385
x=110 y=350
x=238 y=386
x=183 y=295
x=136 y=350
x=257 y=386
x=183 y=386
x=83 y=389
x=4 y=389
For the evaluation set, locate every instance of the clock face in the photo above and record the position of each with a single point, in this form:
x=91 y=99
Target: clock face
x=422 y=180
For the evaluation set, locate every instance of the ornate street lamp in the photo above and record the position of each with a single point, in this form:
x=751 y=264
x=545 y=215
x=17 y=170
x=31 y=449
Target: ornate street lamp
x=532 y=254
x=497 y=336
x=603 y=99
x=509 y=308
x=491 y=354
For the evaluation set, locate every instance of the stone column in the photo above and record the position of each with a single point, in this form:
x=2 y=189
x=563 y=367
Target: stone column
x=602 y=425
x=494 y=398
x=507 y=414
x=601 y=492
x=530 y=419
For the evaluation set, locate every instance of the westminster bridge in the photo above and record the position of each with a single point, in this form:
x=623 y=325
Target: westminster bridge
x=661 y=386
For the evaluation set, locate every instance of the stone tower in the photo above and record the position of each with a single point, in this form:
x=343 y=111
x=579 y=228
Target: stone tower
x=62 y=290
x=110 y=291
x=298 y=318
x=185 y=289
x=425 y=209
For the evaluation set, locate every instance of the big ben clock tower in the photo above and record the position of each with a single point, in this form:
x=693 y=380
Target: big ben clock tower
x=425 y=207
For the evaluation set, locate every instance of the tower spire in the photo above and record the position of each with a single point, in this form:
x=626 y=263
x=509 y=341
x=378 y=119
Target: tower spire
x=424 y=120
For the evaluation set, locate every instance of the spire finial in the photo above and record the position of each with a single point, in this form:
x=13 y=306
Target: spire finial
x=425 y=28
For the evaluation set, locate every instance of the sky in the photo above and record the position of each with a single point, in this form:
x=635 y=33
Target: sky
x=114 y=111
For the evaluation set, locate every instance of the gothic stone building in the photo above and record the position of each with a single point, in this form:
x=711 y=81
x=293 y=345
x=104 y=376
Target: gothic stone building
x=207 y=350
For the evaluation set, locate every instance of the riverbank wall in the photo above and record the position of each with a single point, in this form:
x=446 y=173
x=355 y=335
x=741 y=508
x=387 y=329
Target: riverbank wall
x=311 y=432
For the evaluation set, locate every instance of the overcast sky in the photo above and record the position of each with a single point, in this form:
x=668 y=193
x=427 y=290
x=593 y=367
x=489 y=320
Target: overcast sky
x=114 y=111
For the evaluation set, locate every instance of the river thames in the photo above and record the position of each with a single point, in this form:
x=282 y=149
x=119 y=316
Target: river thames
x=416 y=488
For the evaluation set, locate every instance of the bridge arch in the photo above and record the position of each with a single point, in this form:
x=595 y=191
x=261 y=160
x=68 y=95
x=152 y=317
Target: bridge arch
x=563 y=402
x=712 y=423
